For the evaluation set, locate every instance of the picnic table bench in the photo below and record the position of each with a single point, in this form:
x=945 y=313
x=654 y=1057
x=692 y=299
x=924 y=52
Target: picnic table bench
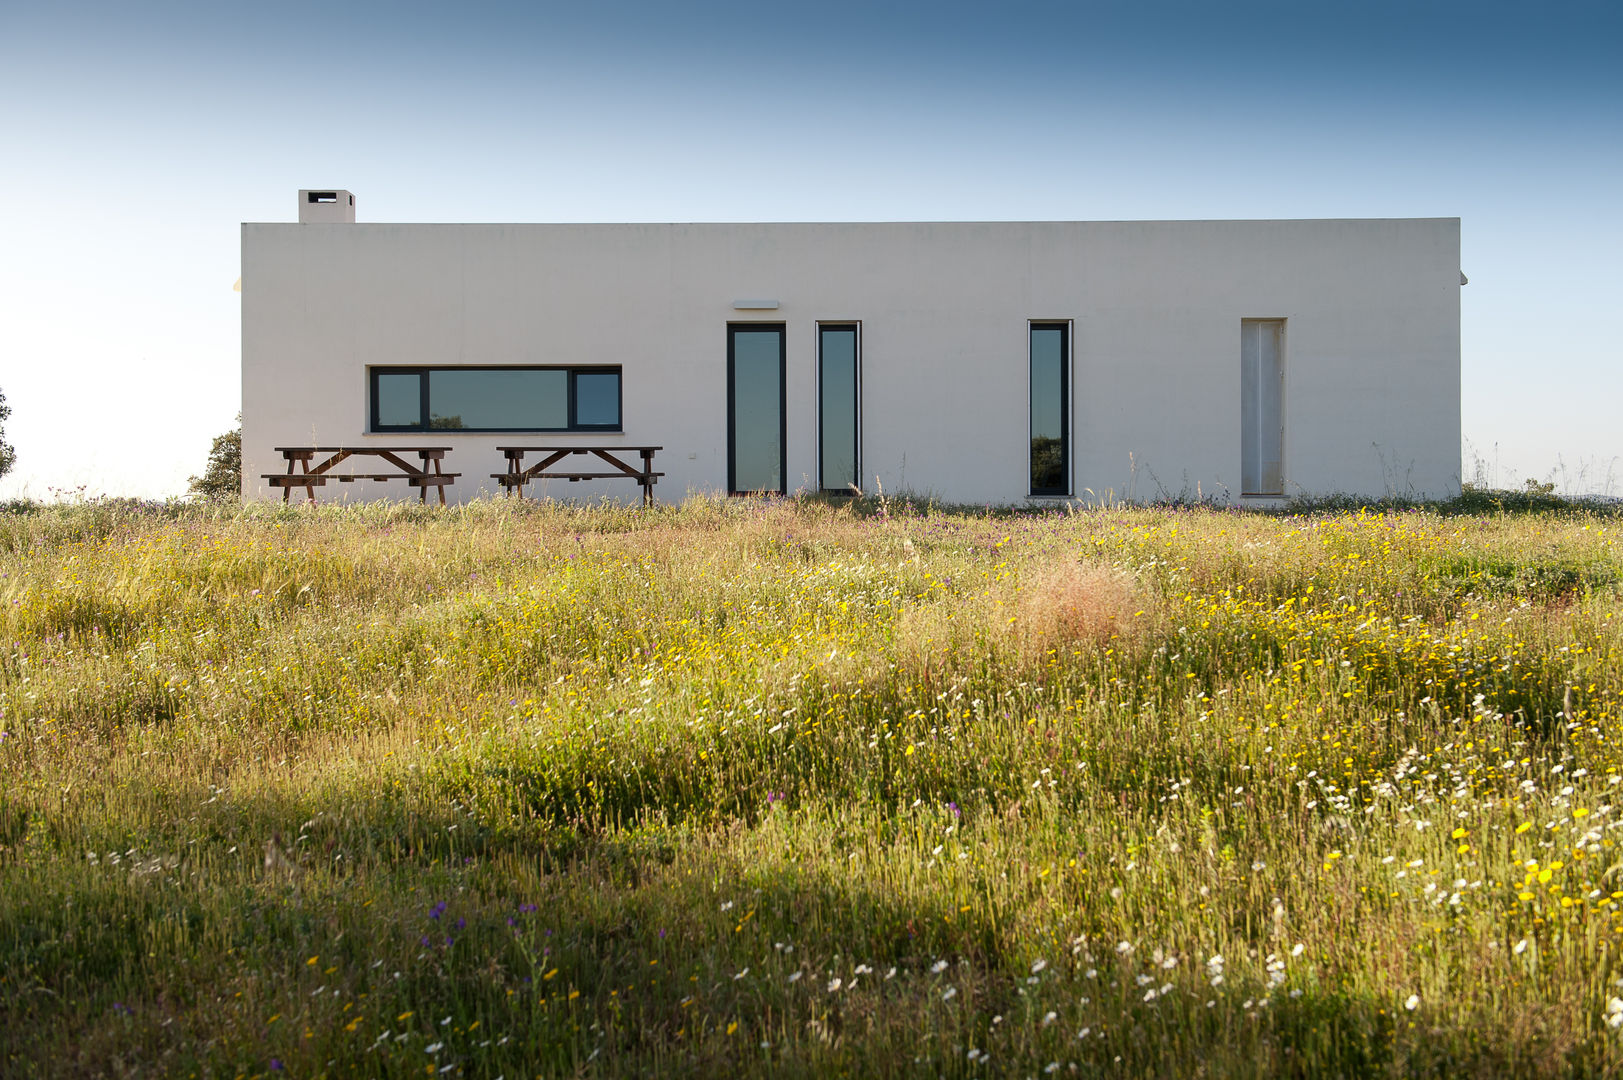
x=310 y=478
x=517 y=475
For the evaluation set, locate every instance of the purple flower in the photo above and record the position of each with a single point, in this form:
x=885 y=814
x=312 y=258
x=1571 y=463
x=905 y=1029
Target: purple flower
x=662 y=933
x=276 y=1065
x=954 y=808
x=425 y=941
x=461 y=923
x=437 y=910
x=526 y=908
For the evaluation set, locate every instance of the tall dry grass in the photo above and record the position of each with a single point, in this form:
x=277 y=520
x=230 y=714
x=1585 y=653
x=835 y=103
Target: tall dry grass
x=794 y=789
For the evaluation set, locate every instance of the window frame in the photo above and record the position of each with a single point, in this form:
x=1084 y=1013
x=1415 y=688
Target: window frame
x=422 y=371
x=1282 y=325
x=855 y=327
x=1064 y=326
x=782 y=329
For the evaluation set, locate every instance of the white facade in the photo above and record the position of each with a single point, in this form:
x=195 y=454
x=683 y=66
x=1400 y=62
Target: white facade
x=1367 y=377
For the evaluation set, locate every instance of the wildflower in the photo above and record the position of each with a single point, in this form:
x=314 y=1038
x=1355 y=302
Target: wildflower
x=938 y=967
x=1297 y=951
x=949 y=993
x=1521 y=947
x=1038 y=965
x=1413 y=1003
x=834 y=984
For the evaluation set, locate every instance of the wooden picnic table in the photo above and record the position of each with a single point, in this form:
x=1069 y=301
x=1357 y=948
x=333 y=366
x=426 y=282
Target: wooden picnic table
x=312 y=477
x=517 y=475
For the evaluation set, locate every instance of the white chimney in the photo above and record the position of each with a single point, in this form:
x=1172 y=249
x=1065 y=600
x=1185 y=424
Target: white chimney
x=330 y=207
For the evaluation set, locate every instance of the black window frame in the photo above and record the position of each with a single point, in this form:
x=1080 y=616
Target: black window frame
x=855 y=328
x=422 y=371
x=1064 y=327
x=783 y=405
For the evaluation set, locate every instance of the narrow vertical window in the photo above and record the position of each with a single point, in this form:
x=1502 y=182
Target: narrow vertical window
x=1262 y=407
x=839 y=469
x=755 y=399
x=1050 y=408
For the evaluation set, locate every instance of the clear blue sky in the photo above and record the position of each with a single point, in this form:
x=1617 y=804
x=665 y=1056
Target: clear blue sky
x=136 y=138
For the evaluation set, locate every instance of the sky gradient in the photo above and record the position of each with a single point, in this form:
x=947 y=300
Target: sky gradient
x=137 y=141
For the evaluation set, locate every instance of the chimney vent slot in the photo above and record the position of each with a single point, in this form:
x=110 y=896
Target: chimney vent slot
x=327 y=197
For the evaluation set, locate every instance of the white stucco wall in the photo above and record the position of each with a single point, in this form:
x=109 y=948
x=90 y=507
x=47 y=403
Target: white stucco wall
x=1371 y=351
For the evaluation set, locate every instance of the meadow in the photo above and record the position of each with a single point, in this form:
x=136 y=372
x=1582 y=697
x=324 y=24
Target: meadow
x=797 y=788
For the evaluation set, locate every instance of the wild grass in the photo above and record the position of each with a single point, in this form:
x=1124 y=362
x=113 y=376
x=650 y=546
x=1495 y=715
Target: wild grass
x=796 y=788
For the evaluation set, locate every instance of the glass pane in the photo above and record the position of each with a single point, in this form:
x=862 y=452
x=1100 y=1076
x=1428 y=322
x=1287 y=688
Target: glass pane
x=1261 y=408
x=838 y=408
x=400 y=400
x=1047 y=409
x=497 y=399
x=597 y=399
x=757 y=410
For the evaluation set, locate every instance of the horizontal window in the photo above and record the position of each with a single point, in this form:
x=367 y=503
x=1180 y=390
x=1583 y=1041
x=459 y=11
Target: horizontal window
x=496 y=399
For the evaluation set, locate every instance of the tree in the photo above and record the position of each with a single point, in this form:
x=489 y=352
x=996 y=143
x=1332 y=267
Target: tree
x=8 y=456
x=222 y=478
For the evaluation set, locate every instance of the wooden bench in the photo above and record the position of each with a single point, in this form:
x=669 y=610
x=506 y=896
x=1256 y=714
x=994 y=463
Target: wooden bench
x=310 y=478
x=517 y=475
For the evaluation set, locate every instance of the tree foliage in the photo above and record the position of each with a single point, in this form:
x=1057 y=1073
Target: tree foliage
x=222 y=477
x=8 y=456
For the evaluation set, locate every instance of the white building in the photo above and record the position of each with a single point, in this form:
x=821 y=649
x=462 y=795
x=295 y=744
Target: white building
x=976 y=362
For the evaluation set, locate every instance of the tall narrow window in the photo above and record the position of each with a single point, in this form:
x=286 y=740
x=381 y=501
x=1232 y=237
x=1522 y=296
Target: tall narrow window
x=839 y=469
x=755 y=420
x=1050 y=408
x=1262 y=407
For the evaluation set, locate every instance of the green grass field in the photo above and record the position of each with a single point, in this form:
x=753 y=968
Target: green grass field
x=798 y=789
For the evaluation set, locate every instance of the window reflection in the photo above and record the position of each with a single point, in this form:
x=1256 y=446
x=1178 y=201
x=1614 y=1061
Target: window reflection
x=1048 y=409
x=837 y=406
x=597 y=399
x=399 y=400
x=756 y=370
x=496 y=399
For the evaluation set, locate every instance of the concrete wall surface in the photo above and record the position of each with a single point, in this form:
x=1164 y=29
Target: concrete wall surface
x=1371 y=347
